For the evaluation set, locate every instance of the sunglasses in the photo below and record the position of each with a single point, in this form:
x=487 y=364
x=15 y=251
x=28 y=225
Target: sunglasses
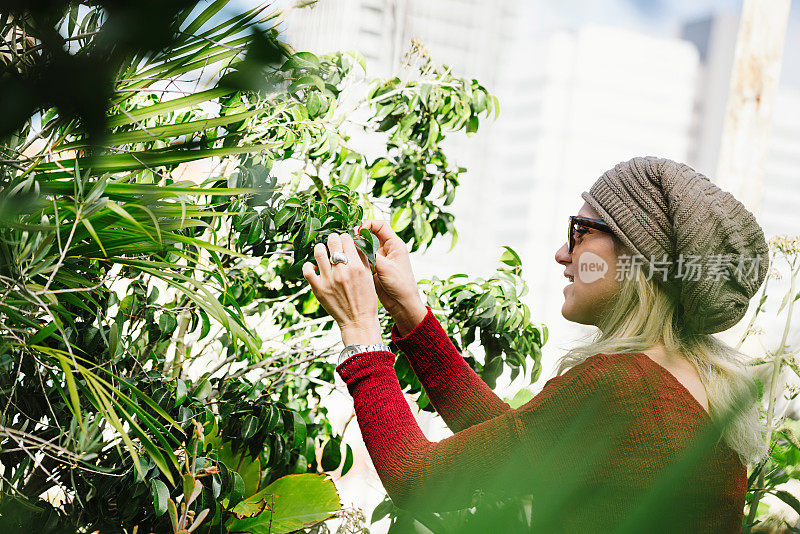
x=576 y=221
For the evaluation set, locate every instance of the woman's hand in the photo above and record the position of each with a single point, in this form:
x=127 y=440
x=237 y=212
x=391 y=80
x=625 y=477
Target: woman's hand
x=394 y=280
x=346 y=290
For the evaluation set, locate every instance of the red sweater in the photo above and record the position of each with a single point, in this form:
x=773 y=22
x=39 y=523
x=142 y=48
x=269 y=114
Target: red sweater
x=593 y=447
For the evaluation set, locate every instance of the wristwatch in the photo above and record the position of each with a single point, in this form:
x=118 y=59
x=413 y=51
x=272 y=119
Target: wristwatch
x=350 y=350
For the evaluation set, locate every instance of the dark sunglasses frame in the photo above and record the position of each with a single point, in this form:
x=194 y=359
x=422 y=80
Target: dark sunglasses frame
x=577 y=220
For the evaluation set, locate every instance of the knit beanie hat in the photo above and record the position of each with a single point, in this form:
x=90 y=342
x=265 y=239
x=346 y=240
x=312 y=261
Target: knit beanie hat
x=698 y=240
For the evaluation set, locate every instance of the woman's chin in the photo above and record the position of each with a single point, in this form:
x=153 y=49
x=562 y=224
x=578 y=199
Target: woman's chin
x=569 y=312
x=565 y=308
x=566 y=311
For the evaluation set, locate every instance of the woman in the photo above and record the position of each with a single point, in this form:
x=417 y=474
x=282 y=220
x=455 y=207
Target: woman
x=625 y=434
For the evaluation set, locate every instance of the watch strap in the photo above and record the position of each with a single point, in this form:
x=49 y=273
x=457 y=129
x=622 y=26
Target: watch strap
x=352 y=350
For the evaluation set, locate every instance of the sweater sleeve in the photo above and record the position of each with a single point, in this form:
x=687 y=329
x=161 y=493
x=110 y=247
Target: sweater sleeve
x=422 y=475
x=455 y=390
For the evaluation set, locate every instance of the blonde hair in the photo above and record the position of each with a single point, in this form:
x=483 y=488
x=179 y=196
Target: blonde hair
x=643 y=314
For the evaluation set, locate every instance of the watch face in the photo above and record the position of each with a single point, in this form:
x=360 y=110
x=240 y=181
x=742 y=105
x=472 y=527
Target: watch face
x=346 y=353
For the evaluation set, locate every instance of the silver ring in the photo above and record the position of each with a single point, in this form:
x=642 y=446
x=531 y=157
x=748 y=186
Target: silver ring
x=338 y=257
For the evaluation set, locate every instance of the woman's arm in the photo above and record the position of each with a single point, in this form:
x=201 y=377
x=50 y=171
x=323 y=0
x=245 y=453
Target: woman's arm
x=514 y=452
x=416 y=473
x=455 y=390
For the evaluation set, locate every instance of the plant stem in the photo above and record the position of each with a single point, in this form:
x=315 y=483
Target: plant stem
x=180 y=346
x=759 y=308
x=320 y=187
x=777 y=363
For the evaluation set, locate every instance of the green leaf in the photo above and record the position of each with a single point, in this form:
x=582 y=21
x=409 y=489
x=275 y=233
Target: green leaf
x=247 y=467
x=314 y=227
x=167 y=323
x=369 y=244
x=203 y=390
x=340 y=205
x=382 y=510
x=302 y=239
x=205 y=16
x=165 y=132
x=472 y=124
x=523 y=396
x=314 y=104
x=96 y=191
x=238 y=490
x=43 y=333
x=345 y=172
x=311 y=304
x=173 y=514
x=360 y=60
x=487 y=300
x=433 y=135
x=491 y=371
x=307 y=81
x=147 y=159
x=75 y=405
x=427 y=232
x=160 y=494
x=198 y=520
x=274 y=418
x=355 y=179
x=300 y=501
x=204 y=330
x=165 y=107
x=91 y=230
x=250 y=507
x=331 y=454
x=300 y=430
x=249 y=427
x=401 y=218
x=789 y=499
x=181 y=392
x=301 y=60
x=348 y=460
x=189 y=485
x=408 y=120
x=380 y=168
x=785 y=301
x=283 y=215
x=510 y=257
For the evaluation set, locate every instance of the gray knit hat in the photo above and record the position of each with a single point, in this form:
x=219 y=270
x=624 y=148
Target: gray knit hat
x=685 y=229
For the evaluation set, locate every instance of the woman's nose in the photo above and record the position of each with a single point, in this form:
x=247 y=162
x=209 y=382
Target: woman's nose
x=562 y=255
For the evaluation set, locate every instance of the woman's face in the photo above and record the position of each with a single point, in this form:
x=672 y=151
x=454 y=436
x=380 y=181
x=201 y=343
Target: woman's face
x=592 y=270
